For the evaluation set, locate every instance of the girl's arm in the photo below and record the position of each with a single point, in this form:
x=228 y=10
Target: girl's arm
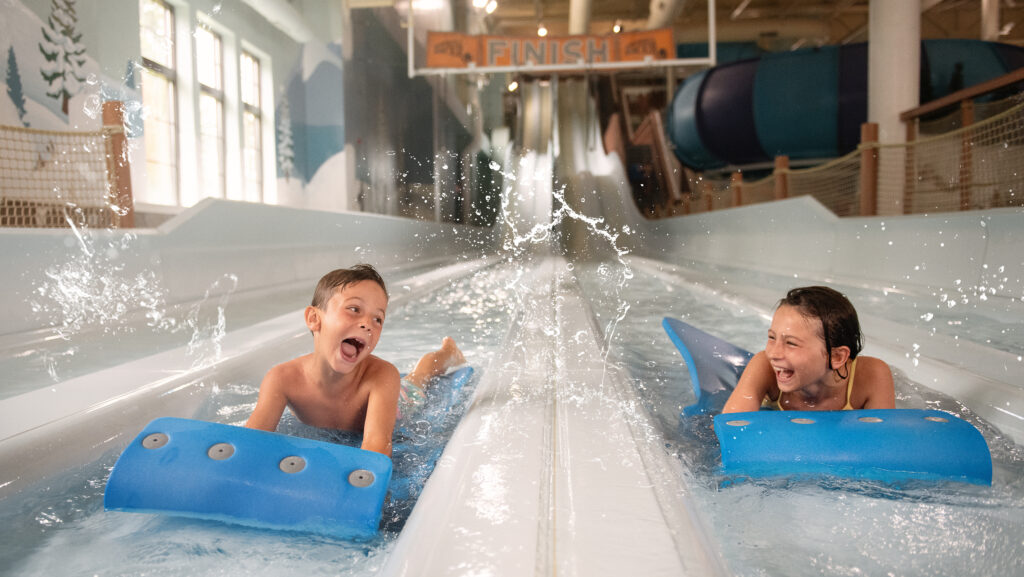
x=755 y=382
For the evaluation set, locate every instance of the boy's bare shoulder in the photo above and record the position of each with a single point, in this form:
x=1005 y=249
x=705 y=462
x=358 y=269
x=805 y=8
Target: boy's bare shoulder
x=292 y=371
x=380 y=371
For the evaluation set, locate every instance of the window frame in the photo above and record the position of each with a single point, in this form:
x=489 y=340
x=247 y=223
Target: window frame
x=218 y=94
x=171 y=77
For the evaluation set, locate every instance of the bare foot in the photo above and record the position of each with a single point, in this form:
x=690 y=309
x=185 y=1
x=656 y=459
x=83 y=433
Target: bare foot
x=450 y=355
x=436 y=363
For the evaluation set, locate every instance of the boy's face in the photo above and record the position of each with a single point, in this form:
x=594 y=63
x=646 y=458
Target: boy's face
x=349 y=329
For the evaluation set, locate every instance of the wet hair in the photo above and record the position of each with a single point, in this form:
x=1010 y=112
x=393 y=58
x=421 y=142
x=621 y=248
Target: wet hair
x=839 y=324
x=341 y=278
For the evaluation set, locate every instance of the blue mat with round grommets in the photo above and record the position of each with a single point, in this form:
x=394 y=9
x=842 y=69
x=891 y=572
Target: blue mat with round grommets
x=889 y=445
x=221 y=472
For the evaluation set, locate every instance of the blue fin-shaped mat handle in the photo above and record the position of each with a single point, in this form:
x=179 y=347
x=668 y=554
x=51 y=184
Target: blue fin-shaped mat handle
x=214 y=471
x=889 y=445
x=456 y=380
x=405 y=487
x=715 y=365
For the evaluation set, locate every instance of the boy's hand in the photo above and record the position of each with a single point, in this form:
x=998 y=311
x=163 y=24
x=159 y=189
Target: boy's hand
x=271 y=402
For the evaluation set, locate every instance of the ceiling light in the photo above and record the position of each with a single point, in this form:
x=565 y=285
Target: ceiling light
x=618 y=26
x=491 y=6
x=479 y=3
x=512 y=86
x=541 y=30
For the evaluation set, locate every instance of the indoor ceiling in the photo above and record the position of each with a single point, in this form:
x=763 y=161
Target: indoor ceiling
x=774 y=24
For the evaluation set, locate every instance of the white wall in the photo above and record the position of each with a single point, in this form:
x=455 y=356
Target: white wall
x=264 y=246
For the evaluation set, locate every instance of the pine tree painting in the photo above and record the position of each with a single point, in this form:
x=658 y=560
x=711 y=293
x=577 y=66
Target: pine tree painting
x=64 y=52
x=14 y=89
x=285 y=150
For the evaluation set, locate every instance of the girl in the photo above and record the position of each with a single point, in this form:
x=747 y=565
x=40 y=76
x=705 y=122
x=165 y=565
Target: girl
x=810 y=362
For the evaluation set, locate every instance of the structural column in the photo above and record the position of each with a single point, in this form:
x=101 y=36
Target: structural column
x=990 y=20
x=894 y=63
x=579 y=16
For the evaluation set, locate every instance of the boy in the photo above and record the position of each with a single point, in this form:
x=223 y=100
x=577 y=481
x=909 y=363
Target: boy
x=341 y=385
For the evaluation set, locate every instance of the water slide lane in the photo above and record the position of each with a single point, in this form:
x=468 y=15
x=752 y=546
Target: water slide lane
x=549 y=471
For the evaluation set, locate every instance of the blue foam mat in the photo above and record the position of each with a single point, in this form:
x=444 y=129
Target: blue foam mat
x=170 y=468
x=889 y=445
x=213 y=471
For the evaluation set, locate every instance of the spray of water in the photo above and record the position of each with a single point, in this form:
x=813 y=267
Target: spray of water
x=208 y=322
x=523 y=237
x=95 y=290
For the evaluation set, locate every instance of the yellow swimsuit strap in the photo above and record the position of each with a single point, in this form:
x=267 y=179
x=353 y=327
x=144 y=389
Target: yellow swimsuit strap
x=849 y=386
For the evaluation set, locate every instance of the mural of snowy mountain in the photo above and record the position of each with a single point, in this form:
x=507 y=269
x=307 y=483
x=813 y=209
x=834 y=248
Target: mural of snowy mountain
x=314 y=98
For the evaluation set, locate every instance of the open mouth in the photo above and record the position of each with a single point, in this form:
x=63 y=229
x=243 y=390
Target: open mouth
x=351 y=347
x=783 y=375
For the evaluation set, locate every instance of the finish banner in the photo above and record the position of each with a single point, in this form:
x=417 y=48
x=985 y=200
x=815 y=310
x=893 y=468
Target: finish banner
x=454 y=50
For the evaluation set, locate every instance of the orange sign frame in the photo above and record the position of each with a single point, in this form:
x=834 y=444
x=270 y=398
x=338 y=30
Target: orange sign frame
x=454 y=50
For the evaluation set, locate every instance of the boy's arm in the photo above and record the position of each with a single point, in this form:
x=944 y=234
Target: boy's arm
x=381 y=408
x=754 y=384
x=271 y=402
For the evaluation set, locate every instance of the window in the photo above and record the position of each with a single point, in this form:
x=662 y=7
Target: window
x=158 y=84
x=210 y=69
x=252 y=129
x=208 y=109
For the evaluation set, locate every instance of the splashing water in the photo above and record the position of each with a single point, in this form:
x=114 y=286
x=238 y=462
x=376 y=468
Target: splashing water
x=522 y=237
x=96 y=290
x=208 y=322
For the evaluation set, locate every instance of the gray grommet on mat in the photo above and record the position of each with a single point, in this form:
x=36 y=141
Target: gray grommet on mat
x=361 y=478
x=155 y=441
x=221 y=451
x=292 y=464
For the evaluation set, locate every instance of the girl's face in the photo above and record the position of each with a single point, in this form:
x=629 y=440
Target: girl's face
x=796 y=350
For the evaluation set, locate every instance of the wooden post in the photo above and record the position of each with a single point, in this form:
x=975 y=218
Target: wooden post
x=781 y=174
x=966 y=156
x=705 y=190
x=736 y=184
x=868 y=169
x=118 y=167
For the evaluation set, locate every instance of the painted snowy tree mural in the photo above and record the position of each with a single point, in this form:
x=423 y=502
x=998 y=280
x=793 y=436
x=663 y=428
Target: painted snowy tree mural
x=285 y=145
x=64 y=52
x=14 y=89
